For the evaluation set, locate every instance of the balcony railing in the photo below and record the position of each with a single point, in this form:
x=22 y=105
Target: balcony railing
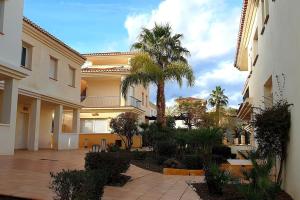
x=132 y=101
x=108 y=102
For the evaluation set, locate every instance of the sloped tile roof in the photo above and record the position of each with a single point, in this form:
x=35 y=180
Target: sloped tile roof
x=242 y=21
x=112 y=69
x=109 y=54
x=37 y=27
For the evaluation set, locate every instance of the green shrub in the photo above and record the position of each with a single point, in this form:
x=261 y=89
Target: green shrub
x=166 y=148
x=193 y=161
x=139 y=155
x=161 y=159
x=113 y=163
x=173 y=163
x=222 y=150
x=79 y=185
x=216 y=179
x=113 y=148
x=260 y=185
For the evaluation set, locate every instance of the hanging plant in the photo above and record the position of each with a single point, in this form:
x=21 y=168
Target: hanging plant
x=272 y=127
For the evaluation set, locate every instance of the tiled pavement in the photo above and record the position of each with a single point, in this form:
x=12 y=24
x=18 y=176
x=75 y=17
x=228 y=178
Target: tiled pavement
x=26 y=174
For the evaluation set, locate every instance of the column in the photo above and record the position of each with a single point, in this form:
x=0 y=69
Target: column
x=34 y=125
x=58 y=119
x=8 y=117
x=76 y=120
x=122 y=99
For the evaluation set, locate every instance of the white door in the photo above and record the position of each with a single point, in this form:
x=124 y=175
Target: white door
x=21 y=131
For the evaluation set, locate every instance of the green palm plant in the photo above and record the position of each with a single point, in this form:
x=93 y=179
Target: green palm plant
x=160 y=58
x=218 y=99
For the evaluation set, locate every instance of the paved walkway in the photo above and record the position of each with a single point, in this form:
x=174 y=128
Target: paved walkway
x=26 y=174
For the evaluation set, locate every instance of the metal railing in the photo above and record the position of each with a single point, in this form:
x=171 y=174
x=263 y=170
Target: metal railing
x=132 y=101
x=108 y=101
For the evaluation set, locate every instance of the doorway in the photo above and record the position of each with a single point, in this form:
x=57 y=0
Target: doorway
x=21 y=137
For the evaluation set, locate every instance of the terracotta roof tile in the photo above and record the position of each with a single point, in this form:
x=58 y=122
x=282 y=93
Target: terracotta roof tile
x=113 y=69
x=109 y=53
x=37 y=27
x=242 y=21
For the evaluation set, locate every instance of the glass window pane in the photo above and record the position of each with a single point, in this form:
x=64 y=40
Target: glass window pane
x=86 y=126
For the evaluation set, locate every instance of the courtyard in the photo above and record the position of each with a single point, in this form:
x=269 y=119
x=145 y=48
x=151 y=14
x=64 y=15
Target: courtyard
x=26 y=174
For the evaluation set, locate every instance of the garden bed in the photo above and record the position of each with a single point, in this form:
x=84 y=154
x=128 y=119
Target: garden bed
x=148 y=164
x=230 y=192
x=4 y=197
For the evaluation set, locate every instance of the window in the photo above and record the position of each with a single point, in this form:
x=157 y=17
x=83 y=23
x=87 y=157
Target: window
x=2 y=15
x=26 y=55
x=143 y=103
x=72 y=75
x=94 y=126
x=53 y=68
x=268 y=93
x=255 y=48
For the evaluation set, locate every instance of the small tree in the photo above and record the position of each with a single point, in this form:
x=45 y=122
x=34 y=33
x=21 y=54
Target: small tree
x=126 y=126
x=191 y=111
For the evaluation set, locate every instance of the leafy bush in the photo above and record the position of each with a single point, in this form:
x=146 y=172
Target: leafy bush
x=216 y=179
x=173 y=163
x=260 y=185
x=79 y=185
x=272 y=127
x=113 y=148
x=222 y=150
x=161 y=159
x=113 y=163
x=166 y=148
x=139 y=155
x=193 y=161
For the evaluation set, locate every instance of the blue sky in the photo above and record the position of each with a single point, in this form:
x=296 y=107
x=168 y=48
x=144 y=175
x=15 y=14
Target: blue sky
x=209 y=27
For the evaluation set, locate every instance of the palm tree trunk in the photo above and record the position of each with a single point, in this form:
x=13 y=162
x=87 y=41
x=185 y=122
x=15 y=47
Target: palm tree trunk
x=218 y=114
x=161 y=103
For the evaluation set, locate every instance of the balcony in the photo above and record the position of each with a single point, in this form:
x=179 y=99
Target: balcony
x=245 y=109
x=108 y=102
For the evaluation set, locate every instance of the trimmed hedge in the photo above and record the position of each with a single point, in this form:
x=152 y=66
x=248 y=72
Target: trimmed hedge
x=78 y=184
x=113 y=163
x=166 y=148
x=222 y=150
x=193 y=161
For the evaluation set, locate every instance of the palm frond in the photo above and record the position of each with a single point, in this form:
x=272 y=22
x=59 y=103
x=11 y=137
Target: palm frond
x=179 y=70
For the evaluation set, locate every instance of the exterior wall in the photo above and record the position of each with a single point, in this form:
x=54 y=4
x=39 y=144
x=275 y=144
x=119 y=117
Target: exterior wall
x=91 y=139
x=278 y=50
x=45 y=136
x=10 y=39
x=104 y=87
x=110 y=59
x=38 y=80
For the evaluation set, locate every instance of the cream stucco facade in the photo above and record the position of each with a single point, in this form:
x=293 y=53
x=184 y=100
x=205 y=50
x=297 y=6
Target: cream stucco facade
x=40 y=86
x=102 y=100
x=268 y=47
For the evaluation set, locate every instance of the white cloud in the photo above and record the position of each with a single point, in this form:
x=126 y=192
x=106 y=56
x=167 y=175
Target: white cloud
x=223 y=73
x=171 y=102
x=209 y=26
x=204 y=94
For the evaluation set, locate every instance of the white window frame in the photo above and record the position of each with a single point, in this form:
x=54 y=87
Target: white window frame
x=28 y=56
x=94 y=126
x=55 y=68
x=72 y=76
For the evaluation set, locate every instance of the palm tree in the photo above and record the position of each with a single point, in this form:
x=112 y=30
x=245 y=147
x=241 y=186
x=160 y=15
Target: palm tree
x=160 y=58
x=218 y=99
